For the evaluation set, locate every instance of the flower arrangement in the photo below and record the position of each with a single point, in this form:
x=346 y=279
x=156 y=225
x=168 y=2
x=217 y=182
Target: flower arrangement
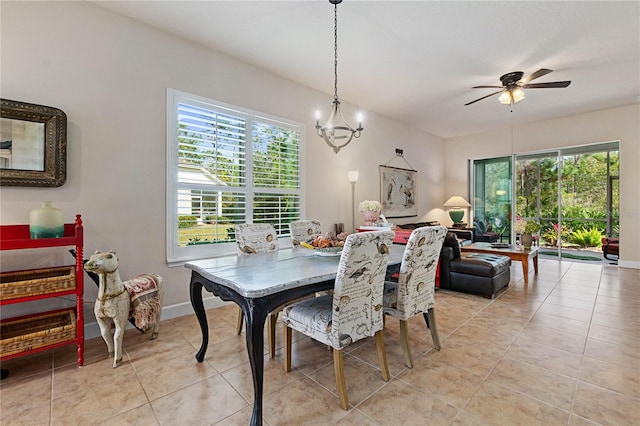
x=526 y=227
x=370 y=206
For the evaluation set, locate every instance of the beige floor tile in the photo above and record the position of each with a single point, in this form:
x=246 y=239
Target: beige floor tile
x=139 y=416
x=460 y=353
x=205 y=402
x=541 y=384
x=554 y=322
x=451 y=384
x=240 y=418
x=399 y=403
x=357 y=418
x=497 y=405
x=625 y=337
x=171 y=375
x=362 y=379
x=101 y=400
x=37 y=414
x=566 y=312
x=27 y=365
x=275 y=378
x=557 y=339
x=302 y=402
x=624 y=379
x=26 y=394
x=605 y=407
x=514 y=359
x=547 y=357
x=615 y=354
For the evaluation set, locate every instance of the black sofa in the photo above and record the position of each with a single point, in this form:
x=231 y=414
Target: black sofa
x=476 y=273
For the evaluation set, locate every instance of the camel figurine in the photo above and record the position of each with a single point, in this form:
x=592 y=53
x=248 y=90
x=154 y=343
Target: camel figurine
x=141 y=298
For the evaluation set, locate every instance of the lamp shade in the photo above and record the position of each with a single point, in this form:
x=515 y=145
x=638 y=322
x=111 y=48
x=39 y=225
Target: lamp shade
x=353 y=176
x=457 y=201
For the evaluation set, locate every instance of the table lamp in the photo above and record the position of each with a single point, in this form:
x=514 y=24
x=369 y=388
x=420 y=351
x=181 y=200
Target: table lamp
x=456 y=212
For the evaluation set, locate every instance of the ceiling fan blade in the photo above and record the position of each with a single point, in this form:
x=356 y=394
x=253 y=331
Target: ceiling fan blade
x=550 y=85
x=487 y=87
x=534 y=75
x=484 y=97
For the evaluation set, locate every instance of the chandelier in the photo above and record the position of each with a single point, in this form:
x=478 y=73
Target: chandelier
x=336 y=132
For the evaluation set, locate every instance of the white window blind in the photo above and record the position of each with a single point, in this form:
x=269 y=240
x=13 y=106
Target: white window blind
x=227 y=165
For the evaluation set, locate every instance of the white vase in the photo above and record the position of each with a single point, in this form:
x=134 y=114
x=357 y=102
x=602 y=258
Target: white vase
x=46 y=221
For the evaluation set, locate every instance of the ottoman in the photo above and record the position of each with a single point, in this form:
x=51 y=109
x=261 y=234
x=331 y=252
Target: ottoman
x=479 y=273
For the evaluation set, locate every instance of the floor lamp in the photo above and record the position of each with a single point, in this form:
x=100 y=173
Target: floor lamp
x=353 y=175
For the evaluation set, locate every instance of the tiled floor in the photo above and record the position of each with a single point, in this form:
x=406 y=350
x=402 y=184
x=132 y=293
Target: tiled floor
x=561 y=350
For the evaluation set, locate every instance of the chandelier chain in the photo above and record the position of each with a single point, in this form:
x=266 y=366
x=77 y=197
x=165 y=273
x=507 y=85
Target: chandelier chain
x=335 y=51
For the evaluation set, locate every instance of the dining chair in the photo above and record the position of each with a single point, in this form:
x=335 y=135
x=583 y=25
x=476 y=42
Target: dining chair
x=255 y=238
x=353 y=312
x=304 y=231
x=413 y=293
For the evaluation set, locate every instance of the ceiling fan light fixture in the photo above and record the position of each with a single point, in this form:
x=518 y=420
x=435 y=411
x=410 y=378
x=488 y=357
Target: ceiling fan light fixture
x=511 y=96
x=336 y=132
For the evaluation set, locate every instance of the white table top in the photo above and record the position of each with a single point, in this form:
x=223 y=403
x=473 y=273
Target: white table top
x=259 y=275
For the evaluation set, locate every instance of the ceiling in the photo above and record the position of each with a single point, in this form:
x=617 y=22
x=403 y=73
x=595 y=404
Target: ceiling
x=416 y=61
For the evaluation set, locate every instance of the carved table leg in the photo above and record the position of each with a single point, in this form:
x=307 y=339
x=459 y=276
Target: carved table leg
x=198 y=306
x=255 y=313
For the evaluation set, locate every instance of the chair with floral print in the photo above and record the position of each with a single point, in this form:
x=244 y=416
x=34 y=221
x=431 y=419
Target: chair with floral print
x=353 y=312
x=257 y=238
x=413 y=293
x=303 y=231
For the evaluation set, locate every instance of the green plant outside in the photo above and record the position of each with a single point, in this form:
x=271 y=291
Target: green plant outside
x=586 y=238
x=204 y=234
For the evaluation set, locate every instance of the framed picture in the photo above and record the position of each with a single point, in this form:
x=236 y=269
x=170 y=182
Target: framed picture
x=33 y=144
x=398 y=191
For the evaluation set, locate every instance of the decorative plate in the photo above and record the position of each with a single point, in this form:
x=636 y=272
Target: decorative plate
x=328 y=251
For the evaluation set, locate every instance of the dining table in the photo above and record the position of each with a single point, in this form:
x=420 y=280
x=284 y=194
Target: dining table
x=259 y=284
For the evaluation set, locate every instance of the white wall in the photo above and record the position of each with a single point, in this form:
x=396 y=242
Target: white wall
x=109 y=74
x=618 y=124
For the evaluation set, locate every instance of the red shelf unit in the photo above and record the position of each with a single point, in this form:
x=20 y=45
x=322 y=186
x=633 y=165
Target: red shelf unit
x=16 y=237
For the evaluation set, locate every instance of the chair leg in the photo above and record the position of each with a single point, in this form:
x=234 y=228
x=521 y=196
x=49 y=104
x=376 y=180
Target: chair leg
x=430 y=319
x=382 y=355
x=338 y=368
x=404 y=342
x=272 y=319
x=239 y=321
x=287 y=348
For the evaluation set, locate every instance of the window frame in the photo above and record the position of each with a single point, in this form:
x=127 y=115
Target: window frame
x=178 y=255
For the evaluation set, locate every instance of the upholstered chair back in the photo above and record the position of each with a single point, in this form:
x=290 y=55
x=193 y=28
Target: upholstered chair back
x=256 y=238
x=304 y=231
x=357 y=295
x=415 y=289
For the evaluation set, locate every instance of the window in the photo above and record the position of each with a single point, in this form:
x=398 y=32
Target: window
x=227 y=165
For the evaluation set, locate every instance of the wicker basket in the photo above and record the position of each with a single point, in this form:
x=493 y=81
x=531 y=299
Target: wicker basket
x=34 y=282
x=27 y=334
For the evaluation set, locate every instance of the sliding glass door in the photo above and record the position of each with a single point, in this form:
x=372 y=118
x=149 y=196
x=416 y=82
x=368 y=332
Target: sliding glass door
x=572 y=193
x=493 y=196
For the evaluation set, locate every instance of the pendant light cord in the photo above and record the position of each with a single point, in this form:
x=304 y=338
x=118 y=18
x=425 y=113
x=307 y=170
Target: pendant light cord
x=335 y=51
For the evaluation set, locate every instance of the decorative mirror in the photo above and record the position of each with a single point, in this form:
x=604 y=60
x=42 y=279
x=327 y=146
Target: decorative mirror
x=33 y=145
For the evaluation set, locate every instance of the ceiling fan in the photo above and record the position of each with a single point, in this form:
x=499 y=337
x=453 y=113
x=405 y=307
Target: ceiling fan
x=514 y=82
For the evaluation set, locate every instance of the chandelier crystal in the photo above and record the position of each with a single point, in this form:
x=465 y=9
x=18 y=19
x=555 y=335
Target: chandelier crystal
x=336 y=132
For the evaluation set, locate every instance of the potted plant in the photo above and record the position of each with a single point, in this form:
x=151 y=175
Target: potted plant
x=371 y=211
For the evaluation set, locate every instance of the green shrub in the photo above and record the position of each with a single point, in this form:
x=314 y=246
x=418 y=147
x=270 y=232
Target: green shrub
x=187 y=221
x=213 y=219
x=550 y=234
x=586 y=238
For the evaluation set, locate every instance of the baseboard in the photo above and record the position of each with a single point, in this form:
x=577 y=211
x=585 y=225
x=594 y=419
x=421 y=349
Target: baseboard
x=92 y=330
x=628 y=264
